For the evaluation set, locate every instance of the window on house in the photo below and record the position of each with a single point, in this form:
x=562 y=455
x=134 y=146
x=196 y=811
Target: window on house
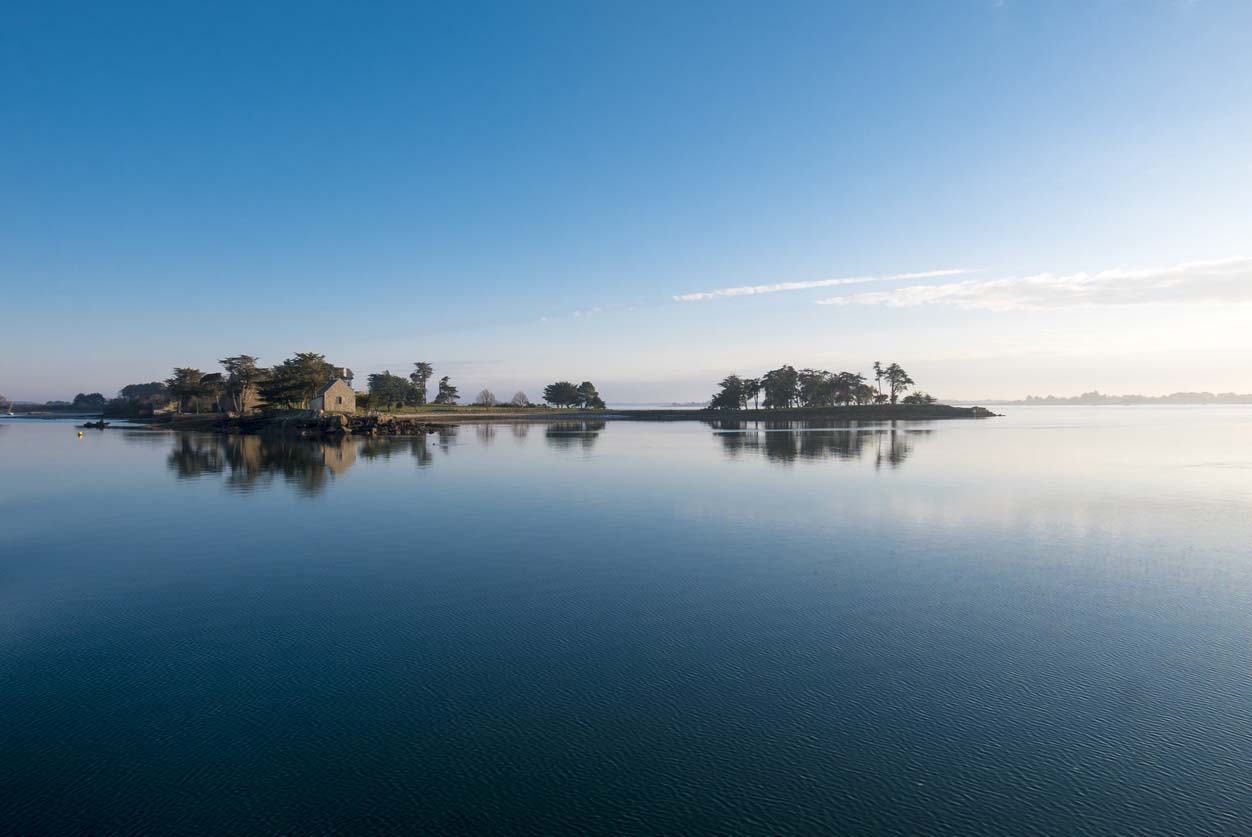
x=338 y=399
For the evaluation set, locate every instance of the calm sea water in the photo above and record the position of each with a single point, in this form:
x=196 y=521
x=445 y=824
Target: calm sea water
x=1033 y=624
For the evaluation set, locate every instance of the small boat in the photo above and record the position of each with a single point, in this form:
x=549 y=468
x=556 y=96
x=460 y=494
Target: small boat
x=97 y=425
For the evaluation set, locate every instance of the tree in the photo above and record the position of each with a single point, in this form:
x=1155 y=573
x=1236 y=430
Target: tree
x=864 y=394
x=92 y=401
x=420 y=376
x=212 y=386
x=815 y=388
x=447 y=392
x=918 y=398
x=847 y=387
x=878 y=375
x=5 y=403
x=387 y=390
x=779 y=386
x=485 y=398
x=731 y=396
x=135 y=392
x=185 y=386
x=519 y=399
x=297 y=379
x=588 y=397
x=752 y=392
x=561 y=394
x=898 y=381
x=242 y=377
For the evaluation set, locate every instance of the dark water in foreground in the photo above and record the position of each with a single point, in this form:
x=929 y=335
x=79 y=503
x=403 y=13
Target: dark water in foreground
x=1036 y=624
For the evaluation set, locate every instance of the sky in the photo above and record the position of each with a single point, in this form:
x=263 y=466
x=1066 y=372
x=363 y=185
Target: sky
x=1005 y=197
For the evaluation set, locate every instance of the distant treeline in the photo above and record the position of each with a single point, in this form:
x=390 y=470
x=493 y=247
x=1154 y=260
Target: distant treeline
x=787 y=386
x=82 y=403
x=1097 y=397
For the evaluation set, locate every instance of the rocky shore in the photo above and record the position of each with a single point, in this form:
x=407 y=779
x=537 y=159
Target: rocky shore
x=329 y=425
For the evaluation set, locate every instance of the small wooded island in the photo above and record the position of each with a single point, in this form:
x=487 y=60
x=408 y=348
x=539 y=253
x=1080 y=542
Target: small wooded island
x=309 y=395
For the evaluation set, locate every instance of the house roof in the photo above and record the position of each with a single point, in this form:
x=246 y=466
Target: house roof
x=324 y=389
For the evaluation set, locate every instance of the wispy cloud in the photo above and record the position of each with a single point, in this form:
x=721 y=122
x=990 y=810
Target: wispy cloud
x=752 y=290
x=1220 y=281
x=583 y=313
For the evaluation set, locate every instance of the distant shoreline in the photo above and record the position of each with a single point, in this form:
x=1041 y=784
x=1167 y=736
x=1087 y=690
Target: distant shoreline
x=1099 y=399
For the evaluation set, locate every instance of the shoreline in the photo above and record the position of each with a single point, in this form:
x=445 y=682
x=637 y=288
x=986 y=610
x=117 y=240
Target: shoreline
x=429 y=421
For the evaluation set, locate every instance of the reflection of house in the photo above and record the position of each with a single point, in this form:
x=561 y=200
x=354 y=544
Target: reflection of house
x=335 y=397
x=339 y=458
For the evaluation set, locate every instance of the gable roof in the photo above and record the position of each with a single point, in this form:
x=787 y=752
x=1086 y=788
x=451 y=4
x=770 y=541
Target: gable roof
x=326 y=388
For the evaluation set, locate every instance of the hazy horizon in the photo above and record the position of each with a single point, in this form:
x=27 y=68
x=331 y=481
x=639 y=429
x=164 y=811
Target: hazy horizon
x=1005 y=198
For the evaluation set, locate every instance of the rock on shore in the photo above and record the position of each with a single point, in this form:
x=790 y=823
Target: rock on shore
x=330 y=425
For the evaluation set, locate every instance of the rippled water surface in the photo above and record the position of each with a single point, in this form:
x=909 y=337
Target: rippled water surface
x=1032 y=624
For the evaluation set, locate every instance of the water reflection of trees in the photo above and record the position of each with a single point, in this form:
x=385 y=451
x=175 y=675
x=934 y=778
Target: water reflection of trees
x=248 y=462
x=568 y=435
x=385 y=447
x=788 y=441
x=486 y=434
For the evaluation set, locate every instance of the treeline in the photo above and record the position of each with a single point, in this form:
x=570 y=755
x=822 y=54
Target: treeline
x=387 y=391
x=244 y=385
x=241 y=386
x=788 y=387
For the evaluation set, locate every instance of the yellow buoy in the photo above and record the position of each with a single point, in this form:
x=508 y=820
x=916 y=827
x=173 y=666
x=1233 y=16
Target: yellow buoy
x=80 y=434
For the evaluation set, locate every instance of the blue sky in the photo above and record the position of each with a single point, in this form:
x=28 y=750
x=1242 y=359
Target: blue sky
x=520 y=192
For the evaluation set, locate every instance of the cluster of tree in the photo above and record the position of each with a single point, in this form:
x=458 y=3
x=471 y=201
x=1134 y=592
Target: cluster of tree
x=136 y=392
x=138 y=399
x=241 y=385
x=244 y=384
x=294 y=381
x=567 y=394
x=788 y=387
x=89 y=401
x=388 y=391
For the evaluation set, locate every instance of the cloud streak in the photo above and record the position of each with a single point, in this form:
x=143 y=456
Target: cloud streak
x=753 y=290
x=1222 y=281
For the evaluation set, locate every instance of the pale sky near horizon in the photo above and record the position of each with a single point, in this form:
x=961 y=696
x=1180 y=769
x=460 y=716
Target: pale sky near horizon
x=1006 y=197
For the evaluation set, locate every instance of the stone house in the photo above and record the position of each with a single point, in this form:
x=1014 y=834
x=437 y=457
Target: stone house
x=335 y=397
